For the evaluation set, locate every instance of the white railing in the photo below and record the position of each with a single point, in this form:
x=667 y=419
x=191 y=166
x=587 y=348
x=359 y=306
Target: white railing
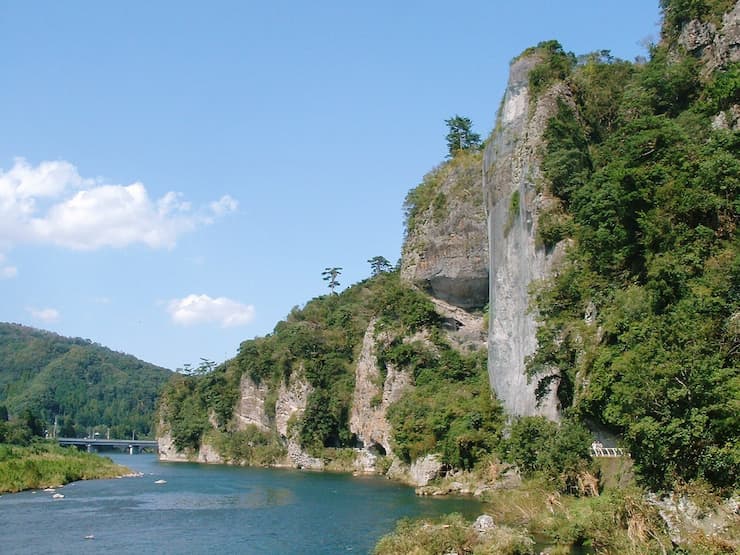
x=608 y=452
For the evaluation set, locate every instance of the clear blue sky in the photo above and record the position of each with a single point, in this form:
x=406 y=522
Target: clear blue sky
x=174 y=176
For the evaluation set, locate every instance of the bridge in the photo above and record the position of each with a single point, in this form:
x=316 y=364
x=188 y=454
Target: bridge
x=92 y=445
x=611 y=452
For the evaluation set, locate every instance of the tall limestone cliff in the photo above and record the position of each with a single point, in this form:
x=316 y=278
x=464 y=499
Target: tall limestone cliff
x=445 y=252
x=515 y=198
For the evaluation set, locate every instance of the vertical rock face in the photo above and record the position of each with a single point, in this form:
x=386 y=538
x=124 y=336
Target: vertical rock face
x=445 y=251
x=371 y=398
x=251 y=406
x=715 y=47
x=514 y=197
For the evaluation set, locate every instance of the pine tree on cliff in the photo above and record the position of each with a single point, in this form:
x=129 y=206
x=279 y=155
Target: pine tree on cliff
x=330 y=275
x=460 y=135
x=379 y=265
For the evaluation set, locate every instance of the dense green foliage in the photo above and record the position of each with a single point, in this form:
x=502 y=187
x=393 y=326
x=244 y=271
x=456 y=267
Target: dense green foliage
x=428 y=202
x=44 y=464
x=650 y=193
x=559 y=452
x=450 y=411
x=555 y=65
x=82 y=383
x=21 y=430
x=249 y=446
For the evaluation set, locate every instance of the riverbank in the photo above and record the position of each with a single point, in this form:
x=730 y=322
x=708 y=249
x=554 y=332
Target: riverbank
x=533 y=517
x=43 y=465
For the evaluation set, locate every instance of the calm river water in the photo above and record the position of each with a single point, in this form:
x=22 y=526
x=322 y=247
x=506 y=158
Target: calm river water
x=213 y=509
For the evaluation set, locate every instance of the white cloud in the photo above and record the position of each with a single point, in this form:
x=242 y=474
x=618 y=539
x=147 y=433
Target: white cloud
x=52 y=204
x=224 y=205
x=201 y=309
x=7 y=271
x=44 y=314
x=48 y=179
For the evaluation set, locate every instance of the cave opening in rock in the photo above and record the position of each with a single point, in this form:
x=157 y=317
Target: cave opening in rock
x=377 y=449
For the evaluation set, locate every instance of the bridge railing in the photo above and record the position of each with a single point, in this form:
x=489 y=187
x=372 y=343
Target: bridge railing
x=597 y=451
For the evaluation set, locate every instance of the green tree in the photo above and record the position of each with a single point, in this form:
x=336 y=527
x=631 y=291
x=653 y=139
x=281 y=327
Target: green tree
x=330 y=275
x=460 y=135
x=380 y=265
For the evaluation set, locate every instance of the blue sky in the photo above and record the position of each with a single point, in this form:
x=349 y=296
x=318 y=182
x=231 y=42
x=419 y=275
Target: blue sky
x=174 y=176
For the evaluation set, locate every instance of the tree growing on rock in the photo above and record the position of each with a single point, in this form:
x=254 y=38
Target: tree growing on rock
x=380 y=265
x=330 y=275
x=460 y=135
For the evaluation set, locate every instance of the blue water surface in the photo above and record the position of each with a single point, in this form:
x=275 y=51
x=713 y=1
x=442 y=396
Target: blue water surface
x=214 y=509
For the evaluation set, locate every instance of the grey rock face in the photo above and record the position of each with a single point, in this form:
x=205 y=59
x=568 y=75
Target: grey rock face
x=484 y=523
x=445 y=253
x=716 y=47
x=371 y=399
x=424 y=470
x=250 y=409
x=515 y=197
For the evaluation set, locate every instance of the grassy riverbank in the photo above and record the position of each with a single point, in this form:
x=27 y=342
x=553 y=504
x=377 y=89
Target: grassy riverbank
x=43 y=464
x=534 y=518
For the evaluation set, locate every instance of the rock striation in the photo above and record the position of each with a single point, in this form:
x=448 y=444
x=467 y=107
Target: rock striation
x=372 y=397
x=515 y=198
x=445 y=251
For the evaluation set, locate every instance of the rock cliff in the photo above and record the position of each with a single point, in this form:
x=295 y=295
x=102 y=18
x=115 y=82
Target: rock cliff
x=252 y=410
x=716 y=46
x=445 y=252
x=515 y=197
x=373 y=396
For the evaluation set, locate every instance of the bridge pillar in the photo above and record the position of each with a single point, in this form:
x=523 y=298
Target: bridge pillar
x=90 y=448
x=130 y=449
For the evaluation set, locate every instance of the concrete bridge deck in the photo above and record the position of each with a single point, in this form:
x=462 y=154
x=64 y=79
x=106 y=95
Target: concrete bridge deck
x=92 y=444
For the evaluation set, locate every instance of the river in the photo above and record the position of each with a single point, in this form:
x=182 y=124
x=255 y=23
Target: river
x=214 y=509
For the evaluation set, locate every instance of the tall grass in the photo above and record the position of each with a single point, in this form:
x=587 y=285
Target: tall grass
x=46 y=465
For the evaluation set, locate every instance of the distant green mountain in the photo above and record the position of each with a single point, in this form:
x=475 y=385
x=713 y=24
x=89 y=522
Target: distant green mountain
x=81 y=383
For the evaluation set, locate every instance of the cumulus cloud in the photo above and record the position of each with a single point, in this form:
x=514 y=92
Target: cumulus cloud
x=202 y=309
x=48 y=179
x=44 y=314
x=52 y=204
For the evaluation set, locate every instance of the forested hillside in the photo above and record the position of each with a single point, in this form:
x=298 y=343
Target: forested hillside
x=449 y=409
x=641 y=327
x=81 y=383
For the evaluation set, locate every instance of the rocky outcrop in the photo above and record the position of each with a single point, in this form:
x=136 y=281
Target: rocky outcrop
x=515 y=198
x=166 y=449
x=167 y=452
x=250 y=409
x=465 y=330
x=291 y=402
x=685 y=519
x=716 y=47
x=419 y=474
x=445 y=251
x=373 y=396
